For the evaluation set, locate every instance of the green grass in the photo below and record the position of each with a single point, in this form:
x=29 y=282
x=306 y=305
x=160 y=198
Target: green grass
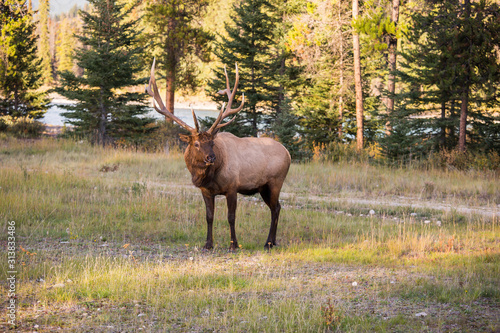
x=104 y=250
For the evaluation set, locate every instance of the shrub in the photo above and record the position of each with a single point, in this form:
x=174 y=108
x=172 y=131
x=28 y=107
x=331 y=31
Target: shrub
x=164 y=138
x=457 y=160
x=22 y=127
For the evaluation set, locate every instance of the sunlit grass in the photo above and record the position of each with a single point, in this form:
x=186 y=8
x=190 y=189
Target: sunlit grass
x=108 y=248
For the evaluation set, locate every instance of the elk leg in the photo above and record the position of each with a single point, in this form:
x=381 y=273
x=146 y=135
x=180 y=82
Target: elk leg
x=210 y=207
x=271 y=198
x=232 y=200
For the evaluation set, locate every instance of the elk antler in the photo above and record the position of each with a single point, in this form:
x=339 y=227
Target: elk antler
x=228 y=111
x=152 y=90
x=195 y=121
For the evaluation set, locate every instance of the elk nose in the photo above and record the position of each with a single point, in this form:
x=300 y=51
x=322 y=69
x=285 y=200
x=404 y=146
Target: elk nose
x=211 y=158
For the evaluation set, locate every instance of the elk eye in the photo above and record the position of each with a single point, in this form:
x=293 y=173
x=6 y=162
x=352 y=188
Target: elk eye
x=197 y=145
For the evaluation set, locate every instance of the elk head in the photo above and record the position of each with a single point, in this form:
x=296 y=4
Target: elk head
x=200 y=143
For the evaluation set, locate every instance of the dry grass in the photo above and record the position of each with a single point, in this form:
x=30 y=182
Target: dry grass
x=111 y=243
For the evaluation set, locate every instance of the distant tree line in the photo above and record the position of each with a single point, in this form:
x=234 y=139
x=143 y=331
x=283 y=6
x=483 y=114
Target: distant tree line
x=399 y=78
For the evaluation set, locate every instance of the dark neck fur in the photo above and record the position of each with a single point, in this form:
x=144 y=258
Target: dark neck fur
x=201 y=174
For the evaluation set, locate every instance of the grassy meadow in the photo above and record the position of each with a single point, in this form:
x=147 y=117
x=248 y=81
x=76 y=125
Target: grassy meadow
x=110 y=241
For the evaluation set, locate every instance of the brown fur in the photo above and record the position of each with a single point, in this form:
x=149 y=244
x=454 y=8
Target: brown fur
x=241 y=165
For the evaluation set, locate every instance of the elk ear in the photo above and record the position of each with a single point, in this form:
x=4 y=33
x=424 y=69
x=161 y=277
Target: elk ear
x=184 y=137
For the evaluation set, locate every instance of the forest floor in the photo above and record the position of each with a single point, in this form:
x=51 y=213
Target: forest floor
x=110 y=241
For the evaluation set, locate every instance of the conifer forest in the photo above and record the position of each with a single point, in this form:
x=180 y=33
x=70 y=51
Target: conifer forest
x=397 y=79
x=388 y=201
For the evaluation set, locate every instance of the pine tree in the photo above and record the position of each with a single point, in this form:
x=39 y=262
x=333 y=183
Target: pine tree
x=45 y=53
x=358 y=81
x=392 y=42
x=286 y=128
x=65 y=45
x=110 y=57
x=452 y=66
x=20 y=70
x=249 y=43
x=175 y=39
x=320 y=39
x=283 y=67
x=379 y=29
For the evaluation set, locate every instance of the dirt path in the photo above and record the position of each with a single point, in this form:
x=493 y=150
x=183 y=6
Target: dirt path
x=403 y=202
x=416 y=203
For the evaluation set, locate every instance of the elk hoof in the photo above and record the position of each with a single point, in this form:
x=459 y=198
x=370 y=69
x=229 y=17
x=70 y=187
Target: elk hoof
x=208 y=246
x=233 y=247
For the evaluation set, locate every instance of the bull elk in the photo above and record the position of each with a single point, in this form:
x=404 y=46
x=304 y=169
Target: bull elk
x=223 y=164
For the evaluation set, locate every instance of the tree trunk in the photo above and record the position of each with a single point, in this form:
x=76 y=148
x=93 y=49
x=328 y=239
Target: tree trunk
x=170 y=66
x=254 y=109
x=357 y=80
x=101 y=135
x=443 y=126
x=341 y=65
x=102 y=129
x=16 y=103
x=463 y=119
x=466 y=85
x=391 y=84
x=450 y=130
x=281 y=88
x=170 y=94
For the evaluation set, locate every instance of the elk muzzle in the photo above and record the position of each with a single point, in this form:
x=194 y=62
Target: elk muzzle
x=210 y=159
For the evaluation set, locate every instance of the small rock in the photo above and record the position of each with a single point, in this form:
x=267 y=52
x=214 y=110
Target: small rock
x=58 y=285
x=354 y=284
x=361 y=215
x=413 y=214
x=372 y=212
x=427 y=221
x=140 y=315
x=421 y=314
x=85 y=314
x=191 y=258
x=392 y=281
x=349 y=214
x=36 y=326
x=438 y=223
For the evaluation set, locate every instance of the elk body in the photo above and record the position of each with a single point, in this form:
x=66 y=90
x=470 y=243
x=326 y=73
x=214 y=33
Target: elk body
x=223 y=164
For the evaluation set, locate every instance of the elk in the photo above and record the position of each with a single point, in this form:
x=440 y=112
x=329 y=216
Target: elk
x=224 y=164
